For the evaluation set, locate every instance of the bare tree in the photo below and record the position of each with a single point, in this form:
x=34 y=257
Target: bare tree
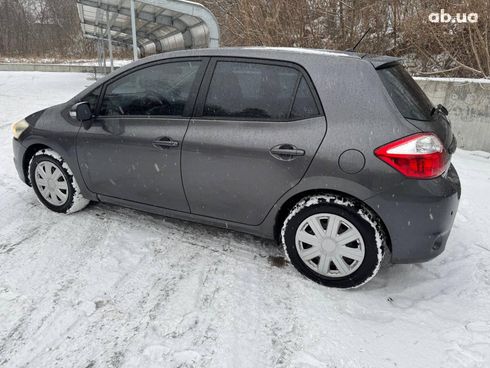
x=41 y=28
x=453 y=48
x=398 y=27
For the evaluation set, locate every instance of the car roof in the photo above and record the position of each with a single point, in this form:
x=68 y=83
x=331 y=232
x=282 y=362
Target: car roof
x=266 y=52
x=285 y=53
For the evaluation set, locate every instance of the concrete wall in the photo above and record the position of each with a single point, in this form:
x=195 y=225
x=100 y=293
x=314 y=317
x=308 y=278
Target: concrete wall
x=468 y=102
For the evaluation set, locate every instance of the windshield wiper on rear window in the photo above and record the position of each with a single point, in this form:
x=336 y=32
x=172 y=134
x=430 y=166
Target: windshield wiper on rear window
x=440 y=108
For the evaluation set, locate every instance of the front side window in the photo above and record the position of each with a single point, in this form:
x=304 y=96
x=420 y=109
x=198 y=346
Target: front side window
x=161 y=89
x=92 y=98
x=248 y=90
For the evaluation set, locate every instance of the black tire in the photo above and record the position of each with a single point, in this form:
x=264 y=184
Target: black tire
x=74 y=201
x=364 y=221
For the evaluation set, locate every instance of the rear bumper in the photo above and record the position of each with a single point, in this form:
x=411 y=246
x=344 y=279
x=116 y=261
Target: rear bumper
x=19 y=151
x=419 y=215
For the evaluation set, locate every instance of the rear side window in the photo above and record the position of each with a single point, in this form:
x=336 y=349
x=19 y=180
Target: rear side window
x=304 y=105
x=251 y=90
x=408 y=97
x=161 y=89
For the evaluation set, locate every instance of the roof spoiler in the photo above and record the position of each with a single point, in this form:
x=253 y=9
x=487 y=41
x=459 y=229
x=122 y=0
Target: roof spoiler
x=380 y=62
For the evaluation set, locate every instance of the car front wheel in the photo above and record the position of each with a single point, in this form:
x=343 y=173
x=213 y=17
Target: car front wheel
x=334 y=241
x=54 y=183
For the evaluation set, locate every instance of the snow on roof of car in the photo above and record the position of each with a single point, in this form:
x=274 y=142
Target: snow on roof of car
x=262 y=52
x=305 y=50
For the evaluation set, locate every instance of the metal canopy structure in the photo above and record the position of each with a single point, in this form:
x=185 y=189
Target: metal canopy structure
x=150 y=26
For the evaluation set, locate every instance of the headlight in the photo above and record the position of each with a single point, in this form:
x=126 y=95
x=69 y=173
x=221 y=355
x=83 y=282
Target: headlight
x=19 y=127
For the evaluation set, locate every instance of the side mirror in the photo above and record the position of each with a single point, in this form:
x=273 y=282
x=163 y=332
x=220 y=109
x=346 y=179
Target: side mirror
x=82 y=111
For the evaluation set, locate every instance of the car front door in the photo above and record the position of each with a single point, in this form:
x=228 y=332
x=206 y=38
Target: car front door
x=132 y=149
x=257 y=126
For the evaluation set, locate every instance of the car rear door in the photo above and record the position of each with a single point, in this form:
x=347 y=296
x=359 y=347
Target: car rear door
x=257 y=126
x=132 y=149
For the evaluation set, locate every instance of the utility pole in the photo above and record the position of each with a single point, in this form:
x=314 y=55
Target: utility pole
x=133 y=31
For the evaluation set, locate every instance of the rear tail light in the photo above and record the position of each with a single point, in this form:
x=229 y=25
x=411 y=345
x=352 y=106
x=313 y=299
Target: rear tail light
x=420 y=156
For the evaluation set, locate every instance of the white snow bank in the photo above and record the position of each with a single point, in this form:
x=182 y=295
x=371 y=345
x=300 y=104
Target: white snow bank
x=112 y=287
x=454 y=80
x=56 y=61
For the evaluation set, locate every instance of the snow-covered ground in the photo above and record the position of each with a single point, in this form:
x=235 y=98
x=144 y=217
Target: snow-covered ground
x=117 y=62
x=113 y=287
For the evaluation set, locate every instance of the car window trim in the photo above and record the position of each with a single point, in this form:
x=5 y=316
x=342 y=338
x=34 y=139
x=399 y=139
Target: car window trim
x=206 y=83
x=295 y=95
x=98 y=97
x=189 y=107
x=317 y=101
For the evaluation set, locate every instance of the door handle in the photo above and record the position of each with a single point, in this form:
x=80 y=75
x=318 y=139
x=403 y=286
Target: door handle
x=165 y=142
x=286 y=152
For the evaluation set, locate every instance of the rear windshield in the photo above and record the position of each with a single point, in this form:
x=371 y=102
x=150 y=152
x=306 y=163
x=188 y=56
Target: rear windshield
x=408 y=97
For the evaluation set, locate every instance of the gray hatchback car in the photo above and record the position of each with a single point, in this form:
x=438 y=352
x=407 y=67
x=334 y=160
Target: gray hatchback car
x=337 y=155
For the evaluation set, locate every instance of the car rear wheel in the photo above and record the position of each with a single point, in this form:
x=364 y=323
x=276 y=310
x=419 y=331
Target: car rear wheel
x=334 y=241
x=54 y=183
